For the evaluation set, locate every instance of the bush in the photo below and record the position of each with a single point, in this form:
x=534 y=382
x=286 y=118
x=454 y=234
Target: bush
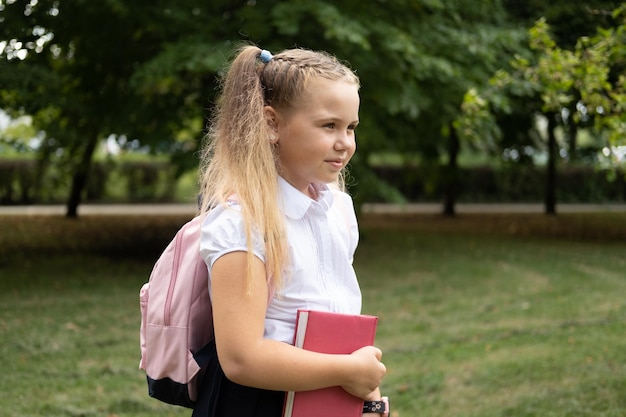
x=155 y=181
x=17 y=178
x=509 y=184
x=137 y=181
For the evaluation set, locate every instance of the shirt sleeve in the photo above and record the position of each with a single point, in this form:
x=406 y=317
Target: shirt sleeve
x=223 y=232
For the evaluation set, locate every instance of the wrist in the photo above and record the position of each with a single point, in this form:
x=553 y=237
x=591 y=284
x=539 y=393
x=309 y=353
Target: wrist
x=381 y=407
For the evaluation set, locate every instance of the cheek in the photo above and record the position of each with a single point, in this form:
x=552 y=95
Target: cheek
x=352 y=148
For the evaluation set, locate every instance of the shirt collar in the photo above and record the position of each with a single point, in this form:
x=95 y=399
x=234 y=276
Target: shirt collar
x=295 y=204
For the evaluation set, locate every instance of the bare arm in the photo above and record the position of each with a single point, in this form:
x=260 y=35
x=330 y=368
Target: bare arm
x=249 y=359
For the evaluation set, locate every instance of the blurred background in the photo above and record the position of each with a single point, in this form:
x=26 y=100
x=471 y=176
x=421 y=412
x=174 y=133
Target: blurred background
x=462 y=100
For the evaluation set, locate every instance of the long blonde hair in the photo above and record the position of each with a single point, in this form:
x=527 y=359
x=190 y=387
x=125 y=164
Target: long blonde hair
x=238 y=157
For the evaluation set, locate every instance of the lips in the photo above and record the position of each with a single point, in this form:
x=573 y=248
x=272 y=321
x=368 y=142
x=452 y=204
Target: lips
x=337 y=163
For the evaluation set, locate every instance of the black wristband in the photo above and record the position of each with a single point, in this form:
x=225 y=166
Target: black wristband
x=374 y=407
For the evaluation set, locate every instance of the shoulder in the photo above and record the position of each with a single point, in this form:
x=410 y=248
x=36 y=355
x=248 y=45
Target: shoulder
x=343 y=203
x=342 y=198
x=223 y=218
x=224 y=231
x=345 y=214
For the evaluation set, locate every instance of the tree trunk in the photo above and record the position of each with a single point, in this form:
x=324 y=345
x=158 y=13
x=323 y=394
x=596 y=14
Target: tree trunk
x=572 y=139
x=41 y=167
x=80 y=177
x=452 y=174
x=550 y=203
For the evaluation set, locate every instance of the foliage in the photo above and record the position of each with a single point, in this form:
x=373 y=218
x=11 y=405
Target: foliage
x=512 y=182
x=119 y=180
x=588 y=79
x=568 y=20
x=152 y=74
x=17 y=137
x=128 y=181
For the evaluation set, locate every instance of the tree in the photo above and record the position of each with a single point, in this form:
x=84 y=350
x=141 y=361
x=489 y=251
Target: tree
x=151 y=74
x=568 y=23
x=82 y=83
x=588 y=78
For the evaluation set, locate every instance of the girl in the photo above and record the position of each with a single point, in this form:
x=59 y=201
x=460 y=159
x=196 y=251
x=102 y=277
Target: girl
x=280 y=235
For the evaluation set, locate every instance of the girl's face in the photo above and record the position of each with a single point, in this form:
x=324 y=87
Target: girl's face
x=316 y=140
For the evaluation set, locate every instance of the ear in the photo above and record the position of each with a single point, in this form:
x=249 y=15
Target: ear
x=271 y=117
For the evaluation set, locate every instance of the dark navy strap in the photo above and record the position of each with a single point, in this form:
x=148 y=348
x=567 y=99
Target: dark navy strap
x=204 y=355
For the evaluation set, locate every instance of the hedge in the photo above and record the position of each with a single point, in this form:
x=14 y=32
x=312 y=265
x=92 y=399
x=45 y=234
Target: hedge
x=108 y=182
x=156 y=182
x=510 y=184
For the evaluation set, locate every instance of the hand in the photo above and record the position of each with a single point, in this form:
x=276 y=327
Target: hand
x=368 y=373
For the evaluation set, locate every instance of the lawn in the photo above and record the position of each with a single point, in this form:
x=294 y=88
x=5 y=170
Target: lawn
x=480 y=315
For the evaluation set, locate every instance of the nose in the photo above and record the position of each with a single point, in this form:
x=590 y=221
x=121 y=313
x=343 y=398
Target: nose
x=345 y=141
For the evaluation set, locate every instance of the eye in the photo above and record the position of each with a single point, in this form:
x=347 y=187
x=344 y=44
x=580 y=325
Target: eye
x=330 y=125
x=352 y=126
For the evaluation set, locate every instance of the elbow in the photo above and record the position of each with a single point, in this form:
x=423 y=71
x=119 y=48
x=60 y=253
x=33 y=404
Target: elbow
x=235 y=372
x=235 y=368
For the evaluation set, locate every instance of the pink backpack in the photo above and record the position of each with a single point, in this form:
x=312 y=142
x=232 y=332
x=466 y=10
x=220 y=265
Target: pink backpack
x=177 y=320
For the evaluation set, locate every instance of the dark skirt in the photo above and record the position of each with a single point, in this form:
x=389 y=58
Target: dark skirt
x=220 y=397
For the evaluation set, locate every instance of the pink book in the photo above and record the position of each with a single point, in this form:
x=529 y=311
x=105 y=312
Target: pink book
x=335 y=333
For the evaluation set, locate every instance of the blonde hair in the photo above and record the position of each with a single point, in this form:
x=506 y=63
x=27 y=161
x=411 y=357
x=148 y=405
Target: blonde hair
x=238 y=157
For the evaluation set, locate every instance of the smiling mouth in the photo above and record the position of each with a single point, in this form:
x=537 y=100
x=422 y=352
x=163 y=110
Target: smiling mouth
x=336 y=163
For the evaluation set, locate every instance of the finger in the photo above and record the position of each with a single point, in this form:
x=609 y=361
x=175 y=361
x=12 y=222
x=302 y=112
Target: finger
x=384 y=368
x=378 y=353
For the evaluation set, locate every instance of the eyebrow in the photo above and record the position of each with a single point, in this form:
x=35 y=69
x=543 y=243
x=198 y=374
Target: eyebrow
x=333 y=119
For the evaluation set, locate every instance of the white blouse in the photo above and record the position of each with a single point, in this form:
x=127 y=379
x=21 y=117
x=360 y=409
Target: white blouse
x=322 y=238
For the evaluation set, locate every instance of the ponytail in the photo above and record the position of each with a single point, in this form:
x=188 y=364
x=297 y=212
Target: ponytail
x=238 y=160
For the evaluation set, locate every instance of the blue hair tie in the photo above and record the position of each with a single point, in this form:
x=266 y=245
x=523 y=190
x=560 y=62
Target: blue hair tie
x=266 y=56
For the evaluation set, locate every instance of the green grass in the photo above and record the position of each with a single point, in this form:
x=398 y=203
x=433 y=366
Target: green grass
x=499 y=315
